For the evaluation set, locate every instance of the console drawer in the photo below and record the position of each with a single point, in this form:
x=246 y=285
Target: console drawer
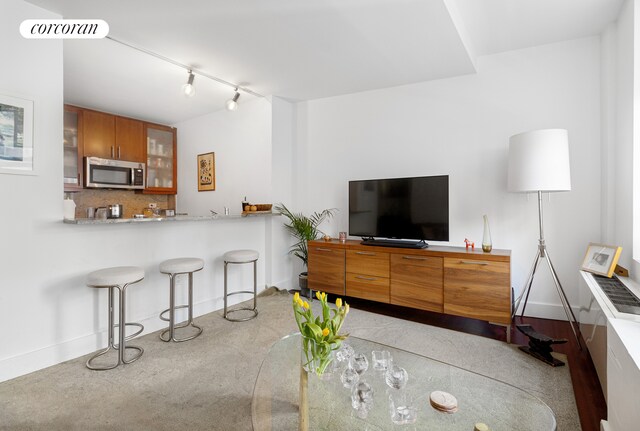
x=368 y=287
x=368 y=262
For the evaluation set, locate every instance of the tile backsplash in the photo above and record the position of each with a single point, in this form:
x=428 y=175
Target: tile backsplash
x=132 y=202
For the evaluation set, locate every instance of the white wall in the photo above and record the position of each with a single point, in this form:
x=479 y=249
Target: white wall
x=284 y=268
x=461 y=127
x=241 y=141
x=618 y=44
x=621 y=162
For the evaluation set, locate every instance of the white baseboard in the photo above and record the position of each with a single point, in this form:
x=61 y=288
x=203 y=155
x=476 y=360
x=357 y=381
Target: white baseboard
x=29 y=362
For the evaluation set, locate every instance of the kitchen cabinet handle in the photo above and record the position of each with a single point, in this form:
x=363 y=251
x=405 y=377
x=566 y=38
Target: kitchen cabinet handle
x=79 y=179
x=414 y=258
x=364 y=253
x=472 y=262
x=324 y=249
x=366 y=278
x=112 y=152
x=118 y=151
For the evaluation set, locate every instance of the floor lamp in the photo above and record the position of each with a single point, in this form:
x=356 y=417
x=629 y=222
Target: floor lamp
x=539 y=162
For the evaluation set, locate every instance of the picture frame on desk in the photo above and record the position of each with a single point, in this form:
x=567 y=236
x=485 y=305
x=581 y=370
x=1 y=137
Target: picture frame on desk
x=601 y=259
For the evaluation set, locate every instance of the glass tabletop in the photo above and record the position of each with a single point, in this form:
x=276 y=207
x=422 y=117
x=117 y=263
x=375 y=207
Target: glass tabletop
x=276 y=395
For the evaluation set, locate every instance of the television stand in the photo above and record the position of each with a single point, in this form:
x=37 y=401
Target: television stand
x=450 y=280
x=394 y=243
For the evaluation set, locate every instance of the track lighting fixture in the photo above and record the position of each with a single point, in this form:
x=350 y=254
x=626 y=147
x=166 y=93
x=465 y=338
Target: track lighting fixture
x=188 y=88
x=232 y=104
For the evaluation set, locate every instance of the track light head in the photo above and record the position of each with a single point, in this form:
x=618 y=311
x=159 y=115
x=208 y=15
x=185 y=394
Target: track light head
x=188 y=89
x=232 y=104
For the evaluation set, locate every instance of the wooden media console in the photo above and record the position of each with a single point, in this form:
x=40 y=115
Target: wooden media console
x=450 y=280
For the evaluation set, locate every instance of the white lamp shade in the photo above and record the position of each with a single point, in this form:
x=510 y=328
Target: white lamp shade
x=539 y=161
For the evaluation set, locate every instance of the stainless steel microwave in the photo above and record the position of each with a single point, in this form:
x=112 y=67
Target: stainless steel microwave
x=113 y=174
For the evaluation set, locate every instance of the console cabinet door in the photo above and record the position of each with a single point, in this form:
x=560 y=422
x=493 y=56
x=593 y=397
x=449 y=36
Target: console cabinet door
x=417 y=282
x=478 y=289
x=326 y=269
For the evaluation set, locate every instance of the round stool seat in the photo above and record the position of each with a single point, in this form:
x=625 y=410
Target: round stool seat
x=181 y=265
x=241 y=256
x=116 y=276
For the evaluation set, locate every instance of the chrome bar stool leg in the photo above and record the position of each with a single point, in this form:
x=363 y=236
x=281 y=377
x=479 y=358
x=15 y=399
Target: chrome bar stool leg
x=116 y=278
x=238 y=257
x=173 y=268
x=225 y=289
x=123 y=338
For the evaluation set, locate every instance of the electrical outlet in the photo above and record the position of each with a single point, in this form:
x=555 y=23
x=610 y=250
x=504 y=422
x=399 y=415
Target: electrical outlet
x=153 y=206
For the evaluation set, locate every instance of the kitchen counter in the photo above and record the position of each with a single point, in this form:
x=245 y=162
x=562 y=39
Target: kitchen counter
x=94 y=221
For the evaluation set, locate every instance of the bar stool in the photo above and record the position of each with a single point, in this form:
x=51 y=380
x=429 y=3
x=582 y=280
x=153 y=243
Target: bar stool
x=240 y=257
x=117 y=278
x=174 y=267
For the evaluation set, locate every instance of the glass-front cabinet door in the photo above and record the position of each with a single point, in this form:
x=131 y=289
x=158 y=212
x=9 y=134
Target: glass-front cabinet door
x=72 y=144
x=161 y=159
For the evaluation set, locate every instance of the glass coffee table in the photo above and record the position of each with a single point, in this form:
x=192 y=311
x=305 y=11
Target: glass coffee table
x=277 y=395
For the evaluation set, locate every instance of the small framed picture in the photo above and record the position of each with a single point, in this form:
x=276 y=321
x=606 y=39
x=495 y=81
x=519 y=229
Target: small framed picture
x=16 y=136
x=206 y=172
x=601 y=259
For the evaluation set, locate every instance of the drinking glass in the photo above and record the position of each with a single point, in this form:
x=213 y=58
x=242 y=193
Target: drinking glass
x=380 y=359
x=344 y=353
x=396 y=377
x=349 y=377
x=362 y=397
x=359 y=363
x=401 y=408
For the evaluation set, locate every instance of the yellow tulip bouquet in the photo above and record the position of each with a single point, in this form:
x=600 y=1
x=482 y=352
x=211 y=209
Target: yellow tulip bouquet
x=320 y=334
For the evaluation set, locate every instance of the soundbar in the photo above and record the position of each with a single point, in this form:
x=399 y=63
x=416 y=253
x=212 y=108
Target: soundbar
x=394 y=243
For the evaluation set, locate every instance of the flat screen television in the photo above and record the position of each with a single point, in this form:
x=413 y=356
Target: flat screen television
x=385 y=211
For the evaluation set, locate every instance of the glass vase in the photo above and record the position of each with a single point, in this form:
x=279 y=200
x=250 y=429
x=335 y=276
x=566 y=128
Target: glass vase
x=317 y=357
x=486 y=237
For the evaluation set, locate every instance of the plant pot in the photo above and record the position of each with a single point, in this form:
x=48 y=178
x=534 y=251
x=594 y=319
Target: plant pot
x=303 y=283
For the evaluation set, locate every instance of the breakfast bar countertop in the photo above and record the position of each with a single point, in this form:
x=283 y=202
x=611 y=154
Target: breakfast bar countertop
x=93 y=221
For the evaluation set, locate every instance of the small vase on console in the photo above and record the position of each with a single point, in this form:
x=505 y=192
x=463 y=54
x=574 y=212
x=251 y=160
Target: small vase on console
x=486 y=237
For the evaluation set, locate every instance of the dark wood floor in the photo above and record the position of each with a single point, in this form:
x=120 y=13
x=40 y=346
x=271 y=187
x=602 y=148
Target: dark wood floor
x=586 y=386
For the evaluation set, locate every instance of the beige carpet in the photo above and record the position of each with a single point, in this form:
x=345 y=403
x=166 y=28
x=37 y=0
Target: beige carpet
x=207 y=383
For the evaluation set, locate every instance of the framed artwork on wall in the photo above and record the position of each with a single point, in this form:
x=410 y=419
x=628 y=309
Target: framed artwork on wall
x=206 y=172
x=601 y=259
x=16 y=135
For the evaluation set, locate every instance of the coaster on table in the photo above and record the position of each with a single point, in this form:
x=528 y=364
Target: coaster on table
x=443 y=401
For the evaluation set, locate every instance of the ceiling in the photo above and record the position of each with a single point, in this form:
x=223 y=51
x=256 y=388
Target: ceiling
x=297 y=50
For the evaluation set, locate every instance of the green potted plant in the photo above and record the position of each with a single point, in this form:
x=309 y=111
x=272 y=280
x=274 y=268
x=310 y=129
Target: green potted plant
x=303 y=229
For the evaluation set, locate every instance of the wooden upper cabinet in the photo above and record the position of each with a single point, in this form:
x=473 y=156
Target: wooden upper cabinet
x=160 y=155
x=99 y=134
x=129 y=140
x=112 y=137
x=72 y=146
